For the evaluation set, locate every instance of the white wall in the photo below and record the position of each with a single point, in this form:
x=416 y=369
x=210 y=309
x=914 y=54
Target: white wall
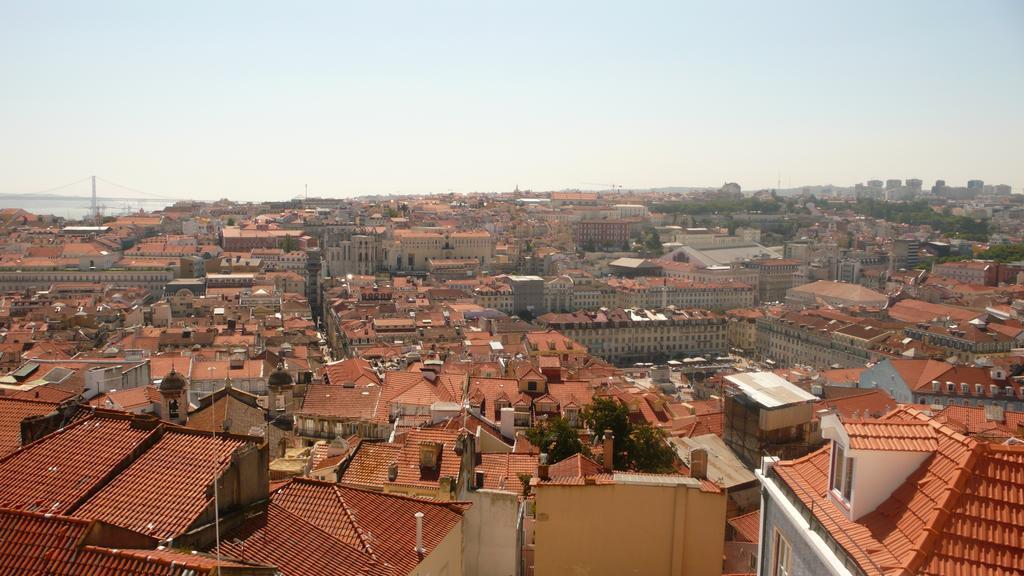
x=876 y=474
x=489 y=528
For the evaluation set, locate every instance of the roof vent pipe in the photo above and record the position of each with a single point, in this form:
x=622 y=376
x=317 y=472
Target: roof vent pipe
x=419 y=533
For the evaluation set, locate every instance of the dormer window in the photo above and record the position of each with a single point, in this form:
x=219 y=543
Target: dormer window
x=964 y=388
x=842 y=473
x=979 y=390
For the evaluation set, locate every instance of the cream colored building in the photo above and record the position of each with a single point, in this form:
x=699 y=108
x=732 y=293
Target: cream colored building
x=626 y=523
x=409 y=250
x=642 y=335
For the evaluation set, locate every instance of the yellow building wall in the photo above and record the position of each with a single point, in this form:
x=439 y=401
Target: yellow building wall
x=622 y=529
x=445 y=559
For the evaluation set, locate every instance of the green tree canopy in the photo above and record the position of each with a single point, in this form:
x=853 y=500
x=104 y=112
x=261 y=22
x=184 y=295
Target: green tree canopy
x=607 y=414
x=556 y=437
x=639 y=447
x=649 y=451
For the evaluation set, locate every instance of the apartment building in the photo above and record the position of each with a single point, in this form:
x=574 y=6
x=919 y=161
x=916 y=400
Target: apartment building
x=636 y=335
x=411 y=250
x=664 y=292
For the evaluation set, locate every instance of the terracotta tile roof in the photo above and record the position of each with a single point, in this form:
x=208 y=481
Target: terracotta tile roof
x=409 y=470
x=43 y=393
x=960 y=512
x=913 y=436
x=501 y=470
x=747 y=526
x=355 y=370
x=12 y=413
x=871 y=403
x=128 y=399
x=165 y=489
x=971 y=420
x=33 y=543
x=412 y=388
x=575 y=466
x=55 y=473
x=296 y=547
x=359 y=403
x=369 y=465
x=382 y=526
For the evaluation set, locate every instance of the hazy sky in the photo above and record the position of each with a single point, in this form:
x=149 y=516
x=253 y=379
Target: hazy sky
x=254 y=100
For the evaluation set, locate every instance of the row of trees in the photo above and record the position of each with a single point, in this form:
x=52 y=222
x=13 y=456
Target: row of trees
x=919 y=212
x=640 y=447
x=720 y=206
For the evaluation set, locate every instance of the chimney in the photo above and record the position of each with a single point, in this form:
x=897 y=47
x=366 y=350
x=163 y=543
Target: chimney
x=392 y=471
x=542 y=467
x=699 y=463
x=609 y=451
x=419 y=534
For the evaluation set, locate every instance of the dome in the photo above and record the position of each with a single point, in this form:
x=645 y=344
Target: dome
x=173 y=382
x=279 y=377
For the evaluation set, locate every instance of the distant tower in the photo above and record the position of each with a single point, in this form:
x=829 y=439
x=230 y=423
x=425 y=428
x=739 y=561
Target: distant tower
x=174 y=397
x=93 y=207
x=280 y=392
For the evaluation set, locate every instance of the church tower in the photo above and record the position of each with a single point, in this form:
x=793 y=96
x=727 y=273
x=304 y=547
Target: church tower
x=174 y=398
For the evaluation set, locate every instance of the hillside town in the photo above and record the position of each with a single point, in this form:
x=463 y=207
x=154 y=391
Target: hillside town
x=700 y=381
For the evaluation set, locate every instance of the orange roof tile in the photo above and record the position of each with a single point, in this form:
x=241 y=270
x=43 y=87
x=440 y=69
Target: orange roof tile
x=501 y=470
x=369 y=465
x=56 y=473
x=960 y=512
x=12 y=412
x=747 y=526
x=165 y=489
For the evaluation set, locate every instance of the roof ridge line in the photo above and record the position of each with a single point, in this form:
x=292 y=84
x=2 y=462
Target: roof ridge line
x=355 y=524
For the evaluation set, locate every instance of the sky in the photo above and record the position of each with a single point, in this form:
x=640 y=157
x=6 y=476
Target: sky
x=254 y=100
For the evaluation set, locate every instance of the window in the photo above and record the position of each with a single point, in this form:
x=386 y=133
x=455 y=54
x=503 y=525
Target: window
x=842 y=473
x=781 y=555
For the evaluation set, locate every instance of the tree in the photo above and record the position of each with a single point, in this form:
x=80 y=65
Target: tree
x=231 y=221
x=289 y=244
x=648 y=450
x=607 y=414
x=556 y=437
x=639 y=447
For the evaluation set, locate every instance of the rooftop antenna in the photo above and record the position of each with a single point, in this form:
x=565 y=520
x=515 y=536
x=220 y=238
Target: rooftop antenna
x=307 y=192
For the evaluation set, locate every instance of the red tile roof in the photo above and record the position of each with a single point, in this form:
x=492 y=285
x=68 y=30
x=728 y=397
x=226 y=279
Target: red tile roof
x=165 y=489
x=358 y=403
x=56 y=473
x=972 y=421
x=369 y=465
x=279 y=537
x=747 y=526
x=354 y=370
x=871 y=403
x=379 y=526
x=575 y=466
x=960 y=512
x=33 y=543
x=12 y=413
x=501 y=470
x=912 y=436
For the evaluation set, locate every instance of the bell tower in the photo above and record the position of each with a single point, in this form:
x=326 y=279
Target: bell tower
x=174 y=397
